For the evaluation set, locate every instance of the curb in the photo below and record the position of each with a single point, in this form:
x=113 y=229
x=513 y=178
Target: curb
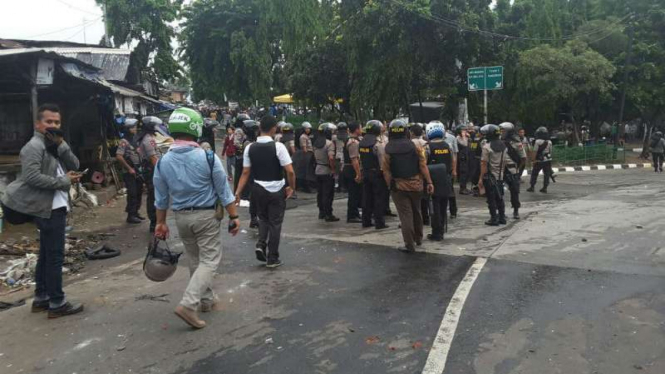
x=568 y=169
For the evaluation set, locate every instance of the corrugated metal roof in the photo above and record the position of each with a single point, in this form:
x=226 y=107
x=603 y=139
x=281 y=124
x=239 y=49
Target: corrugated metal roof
x=112 y=62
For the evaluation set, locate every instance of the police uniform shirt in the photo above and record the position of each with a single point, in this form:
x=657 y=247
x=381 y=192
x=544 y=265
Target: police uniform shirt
x=148 y=148
x=339 y=148
x=452 y=142
x=547 y=152
x=496 y=161
x=517 y=145
x=322 y=155
x=305 y=143
x=353 y=148
x=419 y=142
x=127 y=150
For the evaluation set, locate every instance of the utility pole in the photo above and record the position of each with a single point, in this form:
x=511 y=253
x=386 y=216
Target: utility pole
x=106 y=28
x=84 y=38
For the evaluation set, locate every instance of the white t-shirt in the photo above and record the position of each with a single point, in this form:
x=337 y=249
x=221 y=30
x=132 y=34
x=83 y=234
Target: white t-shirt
x=282 y=155
x=60 y=198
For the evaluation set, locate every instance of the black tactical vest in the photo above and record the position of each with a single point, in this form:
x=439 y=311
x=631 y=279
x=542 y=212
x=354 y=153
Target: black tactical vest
x=368 y=159
x=347 y=157
x=440 y=153
x=475 y=147
x=404 y=161
x=265 y=163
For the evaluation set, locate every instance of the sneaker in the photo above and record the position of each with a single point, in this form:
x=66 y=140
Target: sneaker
x=65 y=309
x=332 y=219
x=273 y=264
x=434 y=238
x=190 y=317
x=260 y=252
x=530 y=189
x=39 y=306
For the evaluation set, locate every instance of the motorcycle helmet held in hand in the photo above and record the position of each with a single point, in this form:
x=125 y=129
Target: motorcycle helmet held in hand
x=160 y=263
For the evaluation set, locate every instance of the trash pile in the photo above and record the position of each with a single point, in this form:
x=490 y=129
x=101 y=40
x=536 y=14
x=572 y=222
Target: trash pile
x=20 y=271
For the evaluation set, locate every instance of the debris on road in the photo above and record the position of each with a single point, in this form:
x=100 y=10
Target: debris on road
x=269 y=341
x=161 y=298
x=372 y=339
x=6 y=306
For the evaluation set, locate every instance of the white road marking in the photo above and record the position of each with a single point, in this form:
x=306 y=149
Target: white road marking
x=602 y=167
x=617 y=166
x=570 y=169
x=586 y=168
x=438 y=355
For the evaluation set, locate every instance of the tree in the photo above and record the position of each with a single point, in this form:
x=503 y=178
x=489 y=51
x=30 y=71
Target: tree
x=554 y=80
x=148 y=23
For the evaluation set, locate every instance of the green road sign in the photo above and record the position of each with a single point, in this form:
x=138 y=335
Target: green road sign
x=485 y=78
x=476 y=79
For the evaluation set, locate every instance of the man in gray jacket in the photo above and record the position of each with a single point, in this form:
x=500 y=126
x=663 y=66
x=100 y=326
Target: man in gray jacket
x=42 y=191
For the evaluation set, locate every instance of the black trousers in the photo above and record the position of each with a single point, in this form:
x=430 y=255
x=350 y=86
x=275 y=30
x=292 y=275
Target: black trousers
x=325 y=194
x=474 y=170
x=657 y=161
x=48 y=273
x=463 y=172
x=439 y=215
x=375 y=193
x=495 y=203
x=150 y=199
x=452 y=199
x=134 y=188
x=270 y=210
x=513 y=183
x=424 y=209
x=355 y=192
x=546 y=167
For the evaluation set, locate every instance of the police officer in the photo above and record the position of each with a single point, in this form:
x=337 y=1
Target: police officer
x=128 y=156
x=375 y=188
x=463 y=158
x=239 y=139
x=527 y=148
x=339 y=138
x=351 y=174
x=418 y=138
x=452 y=142
x=324 y=154
x=492 y=168
x=475 y=152
x=306 y=163
x=516 y=159
x=278 y=131
x=150 y=155
x=404 y=168
x=542 y=160
x=288 y=138
x=439 y=153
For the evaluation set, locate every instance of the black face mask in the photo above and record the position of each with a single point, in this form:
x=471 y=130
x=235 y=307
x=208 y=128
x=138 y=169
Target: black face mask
x=51 y=146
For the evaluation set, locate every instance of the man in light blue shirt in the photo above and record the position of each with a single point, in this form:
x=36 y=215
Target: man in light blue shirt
x=184 y=177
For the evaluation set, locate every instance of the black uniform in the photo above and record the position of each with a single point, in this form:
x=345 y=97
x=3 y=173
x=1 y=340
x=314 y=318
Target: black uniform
x=495 y=154
x=517 y=157
x=375 y=190
x=475 y=151
x=463 y=164
x=440 y=153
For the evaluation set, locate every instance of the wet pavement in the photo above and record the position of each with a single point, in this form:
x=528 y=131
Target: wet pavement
x=576 y=286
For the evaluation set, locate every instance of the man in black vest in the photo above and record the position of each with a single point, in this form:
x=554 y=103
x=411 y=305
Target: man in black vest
x=404 y=168
x=439 y=153
x=351 y=174
x=266 y=161
x=375 y=189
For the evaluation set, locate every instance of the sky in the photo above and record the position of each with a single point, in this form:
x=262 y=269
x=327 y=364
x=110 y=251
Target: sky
x=64 y=20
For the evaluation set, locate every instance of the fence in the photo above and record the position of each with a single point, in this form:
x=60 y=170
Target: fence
x=590 y=154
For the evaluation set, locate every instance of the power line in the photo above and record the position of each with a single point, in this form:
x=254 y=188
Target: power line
x=76 y=8
x=457 y=25
x=64 y=29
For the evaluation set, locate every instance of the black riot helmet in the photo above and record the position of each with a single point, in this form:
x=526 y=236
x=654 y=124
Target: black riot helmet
x=508 y=130
x=251 y=129
x=240 y=119
x=397 y=129
x=342 y=126
x=491 y=132
x=373 y=127
x=460 y=128
x=417 y=129
x=542 y=133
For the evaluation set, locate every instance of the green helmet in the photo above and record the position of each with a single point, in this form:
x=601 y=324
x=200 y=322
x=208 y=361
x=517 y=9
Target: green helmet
x=186 y=121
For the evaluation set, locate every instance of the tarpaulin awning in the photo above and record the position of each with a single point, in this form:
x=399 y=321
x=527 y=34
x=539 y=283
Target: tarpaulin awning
x=283 y=99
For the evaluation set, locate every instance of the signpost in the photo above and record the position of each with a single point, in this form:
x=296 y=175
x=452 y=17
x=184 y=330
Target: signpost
x=485 y=79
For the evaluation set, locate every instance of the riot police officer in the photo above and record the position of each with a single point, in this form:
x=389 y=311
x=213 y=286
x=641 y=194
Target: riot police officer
x=404 y=168
x=542 y=160
x=239 y=139
x=463 y=158
x=128 y=156
x=150 y=155
x=351 y=174
x=492 y=168
x=475 y=152
x=288 y=138
x=516 y=159
x=452 y=142
x=375 y=189
x=439 y=161
x=417 y=137
x=324 y=154
x=339 y=138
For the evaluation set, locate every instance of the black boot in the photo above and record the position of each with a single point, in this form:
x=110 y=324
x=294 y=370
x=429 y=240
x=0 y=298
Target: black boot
x=544 y=190
x=253 y=223
x=530 y=189
x=502 y=219
x=133 y=219
x=494 y=221
x=516 y=213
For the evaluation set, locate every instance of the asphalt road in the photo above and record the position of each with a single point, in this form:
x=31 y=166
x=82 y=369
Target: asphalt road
x=576 y=286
